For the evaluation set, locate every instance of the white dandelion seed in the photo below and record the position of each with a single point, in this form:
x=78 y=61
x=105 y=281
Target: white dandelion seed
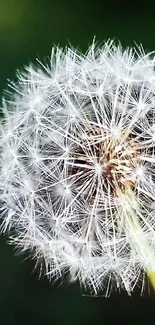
x=77 y=180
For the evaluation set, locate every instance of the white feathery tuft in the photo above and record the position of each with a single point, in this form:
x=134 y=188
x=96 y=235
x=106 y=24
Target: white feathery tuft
x=77 y=180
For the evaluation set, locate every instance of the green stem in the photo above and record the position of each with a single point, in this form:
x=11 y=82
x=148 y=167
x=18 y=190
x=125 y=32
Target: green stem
x=139 y=241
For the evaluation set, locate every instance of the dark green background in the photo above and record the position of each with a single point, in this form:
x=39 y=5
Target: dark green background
x=28 y=29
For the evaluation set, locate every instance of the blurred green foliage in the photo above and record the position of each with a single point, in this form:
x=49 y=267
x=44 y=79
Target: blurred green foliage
x=29 y=28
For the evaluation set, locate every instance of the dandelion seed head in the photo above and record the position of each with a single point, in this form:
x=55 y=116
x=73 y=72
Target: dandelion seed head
x=77 y=180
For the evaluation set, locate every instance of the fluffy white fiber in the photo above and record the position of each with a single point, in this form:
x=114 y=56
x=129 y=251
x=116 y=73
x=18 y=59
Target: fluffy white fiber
x=77 y=167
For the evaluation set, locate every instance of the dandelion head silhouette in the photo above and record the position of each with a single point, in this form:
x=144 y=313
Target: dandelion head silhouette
x=77 y=180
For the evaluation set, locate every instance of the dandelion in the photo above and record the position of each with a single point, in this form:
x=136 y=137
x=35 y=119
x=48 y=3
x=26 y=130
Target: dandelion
x=77 y=169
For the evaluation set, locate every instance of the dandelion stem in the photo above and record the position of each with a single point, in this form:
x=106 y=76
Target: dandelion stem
x=138 y=239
